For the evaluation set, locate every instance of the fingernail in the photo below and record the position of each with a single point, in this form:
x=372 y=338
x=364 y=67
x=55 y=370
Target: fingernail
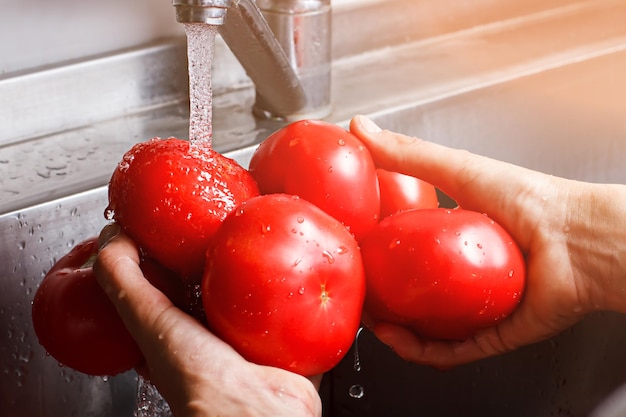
x=368 y=125
x=107 y=234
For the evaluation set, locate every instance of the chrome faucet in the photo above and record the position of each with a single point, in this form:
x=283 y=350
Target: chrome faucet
x=284 y=46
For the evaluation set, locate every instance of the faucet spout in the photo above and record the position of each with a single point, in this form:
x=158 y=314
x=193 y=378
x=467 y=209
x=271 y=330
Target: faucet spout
x=210 y=12
x=283 y=45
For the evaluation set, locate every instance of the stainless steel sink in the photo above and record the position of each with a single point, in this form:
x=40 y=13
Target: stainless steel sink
x=542 y=87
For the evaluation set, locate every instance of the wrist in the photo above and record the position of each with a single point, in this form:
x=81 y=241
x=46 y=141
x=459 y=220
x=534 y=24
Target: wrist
x=597 y=244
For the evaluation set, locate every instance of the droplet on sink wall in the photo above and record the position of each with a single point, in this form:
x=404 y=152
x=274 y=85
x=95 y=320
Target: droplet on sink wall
x=356 y=391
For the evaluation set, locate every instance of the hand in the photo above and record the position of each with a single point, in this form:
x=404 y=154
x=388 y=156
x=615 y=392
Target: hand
x=573 y=235
x=197 y=373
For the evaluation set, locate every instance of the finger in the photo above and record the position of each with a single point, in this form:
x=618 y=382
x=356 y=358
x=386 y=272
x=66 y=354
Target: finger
x=107 y=233
x=117 y=270
x=452 y=170
x=478 y=183
x=151 y=318
x=439 y=354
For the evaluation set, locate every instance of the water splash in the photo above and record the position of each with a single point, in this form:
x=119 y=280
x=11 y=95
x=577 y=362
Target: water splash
x=150 y=403
x=200 y=47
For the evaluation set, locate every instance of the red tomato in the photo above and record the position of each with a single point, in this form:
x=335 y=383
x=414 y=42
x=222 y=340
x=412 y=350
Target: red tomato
x=171 y=196
x=76 y=322
x=324 y=164
x=400 y=192
x=443 y=273
x=284 y=284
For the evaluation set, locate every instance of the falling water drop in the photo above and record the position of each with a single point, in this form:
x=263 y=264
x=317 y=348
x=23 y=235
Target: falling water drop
x=356 y=391
x=357 y=358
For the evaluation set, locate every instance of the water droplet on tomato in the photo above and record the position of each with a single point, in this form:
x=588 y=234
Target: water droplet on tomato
x=330 y=169
x=301 y=290
x=511 y=273
x=328 y=256
x=297 y=262
x=265 y=228
x=300 y=219
x=394 y=243
x=341 y=250
x=109 y=213
x=294 y=142
x=341 y=142
x=479 y=246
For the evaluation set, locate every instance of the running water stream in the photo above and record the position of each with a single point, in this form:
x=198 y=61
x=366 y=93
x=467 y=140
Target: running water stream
x=200 y=47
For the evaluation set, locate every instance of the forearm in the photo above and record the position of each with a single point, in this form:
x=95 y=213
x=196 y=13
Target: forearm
x=596 y=236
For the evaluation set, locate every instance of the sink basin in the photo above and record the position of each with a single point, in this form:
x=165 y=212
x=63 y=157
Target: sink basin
x=544 y=91
x=568 y=121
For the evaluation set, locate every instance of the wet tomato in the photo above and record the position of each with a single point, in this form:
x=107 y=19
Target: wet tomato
x=325 y=165
x=170 y=196
x=403 y=192
x=75 y=321
x=442 y=273
x=78 y=325
x=284 y=284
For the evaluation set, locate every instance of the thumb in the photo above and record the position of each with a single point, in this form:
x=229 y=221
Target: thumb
x=475 y=182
